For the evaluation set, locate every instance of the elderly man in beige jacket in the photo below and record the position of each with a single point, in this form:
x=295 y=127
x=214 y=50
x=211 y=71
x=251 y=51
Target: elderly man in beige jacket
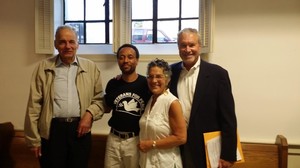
x=66 y=96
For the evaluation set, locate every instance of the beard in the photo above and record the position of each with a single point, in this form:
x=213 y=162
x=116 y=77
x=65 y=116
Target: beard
x=128 y=71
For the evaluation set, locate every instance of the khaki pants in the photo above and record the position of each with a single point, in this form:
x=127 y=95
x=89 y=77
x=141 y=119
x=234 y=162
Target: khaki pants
x=121 y=153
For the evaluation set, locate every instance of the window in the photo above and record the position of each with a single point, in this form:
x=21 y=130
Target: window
x=151 y=33
x=91 y=18
x=161 y=21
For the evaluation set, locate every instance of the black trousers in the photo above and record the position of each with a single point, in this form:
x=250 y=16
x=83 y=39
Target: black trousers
x=64 y=149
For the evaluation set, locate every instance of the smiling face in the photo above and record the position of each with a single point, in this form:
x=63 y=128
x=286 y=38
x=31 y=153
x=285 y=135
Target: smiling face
x=189 y=49
x=157 y=80
x=66 y=44
x=127 y=60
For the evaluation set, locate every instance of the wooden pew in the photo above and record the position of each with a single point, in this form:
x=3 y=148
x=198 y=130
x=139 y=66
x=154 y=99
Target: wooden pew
x=6 y=137
x=98 y=151
x=262 y=155
x=257 y=155
x=24 y=158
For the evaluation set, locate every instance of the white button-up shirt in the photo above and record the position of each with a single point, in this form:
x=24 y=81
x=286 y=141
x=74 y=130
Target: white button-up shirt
x=186 y=88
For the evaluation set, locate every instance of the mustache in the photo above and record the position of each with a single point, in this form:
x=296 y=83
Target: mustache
x=125 y=64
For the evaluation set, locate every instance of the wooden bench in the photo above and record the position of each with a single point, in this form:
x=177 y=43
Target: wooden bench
x=24 y=158
x=6 y=137
x=257 y=155
x=260 y=155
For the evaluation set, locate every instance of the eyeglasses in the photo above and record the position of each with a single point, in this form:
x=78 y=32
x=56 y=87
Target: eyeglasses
x=158 y=77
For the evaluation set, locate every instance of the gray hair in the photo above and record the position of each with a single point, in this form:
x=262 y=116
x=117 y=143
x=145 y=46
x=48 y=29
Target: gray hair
x=63 y=27
x=161 y=64
x=191 y=31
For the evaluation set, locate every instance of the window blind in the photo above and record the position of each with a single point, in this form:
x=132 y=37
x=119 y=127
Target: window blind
x=44 y=27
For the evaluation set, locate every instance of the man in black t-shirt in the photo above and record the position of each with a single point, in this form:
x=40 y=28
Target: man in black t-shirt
x=126 y=96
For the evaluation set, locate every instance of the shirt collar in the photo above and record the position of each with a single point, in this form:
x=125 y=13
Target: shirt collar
x=59 y=61
x=197 y=65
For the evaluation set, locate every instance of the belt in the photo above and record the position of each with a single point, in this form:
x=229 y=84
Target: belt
x=67 y=119
x=123 y=135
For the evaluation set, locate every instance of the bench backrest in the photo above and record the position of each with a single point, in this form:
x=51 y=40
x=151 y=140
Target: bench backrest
x=256 y=155
x=6 y=137
x=265 y=155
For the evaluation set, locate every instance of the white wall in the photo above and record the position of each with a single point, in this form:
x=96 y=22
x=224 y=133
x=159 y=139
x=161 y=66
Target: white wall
x=17 y=58
x=257 y=41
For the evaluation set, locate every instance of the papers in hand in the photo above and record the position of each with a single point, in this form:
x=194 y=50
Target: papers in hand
x=213 y=149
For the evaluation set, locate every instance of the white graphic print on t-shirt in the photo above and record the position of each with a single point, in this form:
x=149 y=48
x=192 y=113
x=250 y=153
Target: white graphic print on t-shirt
x=130 y=103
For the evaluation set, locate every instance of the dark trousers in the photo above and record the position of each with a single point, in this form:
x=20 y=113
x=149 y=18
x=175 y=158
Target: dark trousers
x=64 y=149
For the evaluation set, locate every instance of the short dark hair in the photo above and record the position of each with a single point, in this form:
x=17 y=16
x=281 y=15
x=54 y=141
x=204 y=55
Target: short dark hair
x=130 y=46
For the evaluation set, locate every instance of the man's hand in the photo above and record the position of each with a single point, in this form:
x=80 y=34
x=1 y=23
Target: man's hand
x=85 y=124
x=145 y=146
x=37 y=151
x=225 y=164
x=118 y=77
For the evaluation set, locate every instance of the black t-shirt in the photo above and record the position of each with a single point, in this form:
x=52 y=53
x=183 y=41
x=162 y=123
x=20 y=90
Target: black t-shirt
x=127 y=101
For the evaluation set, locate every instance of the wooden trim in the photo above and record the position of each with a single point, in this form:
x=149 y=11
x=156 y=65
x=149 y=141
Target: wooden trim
x=256 y=154
x=294 y=150
x=294 y=147
x=282 y=143
x=265 y=154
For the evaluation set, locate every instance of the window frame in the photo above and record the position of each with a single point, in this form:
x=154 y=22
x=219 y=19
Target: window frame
x=46 y=22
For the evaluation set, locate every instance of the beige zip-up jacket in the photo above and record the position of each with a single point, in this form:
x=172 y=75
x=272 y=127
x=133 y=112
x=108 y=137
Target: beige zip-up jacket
x=40 y=103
